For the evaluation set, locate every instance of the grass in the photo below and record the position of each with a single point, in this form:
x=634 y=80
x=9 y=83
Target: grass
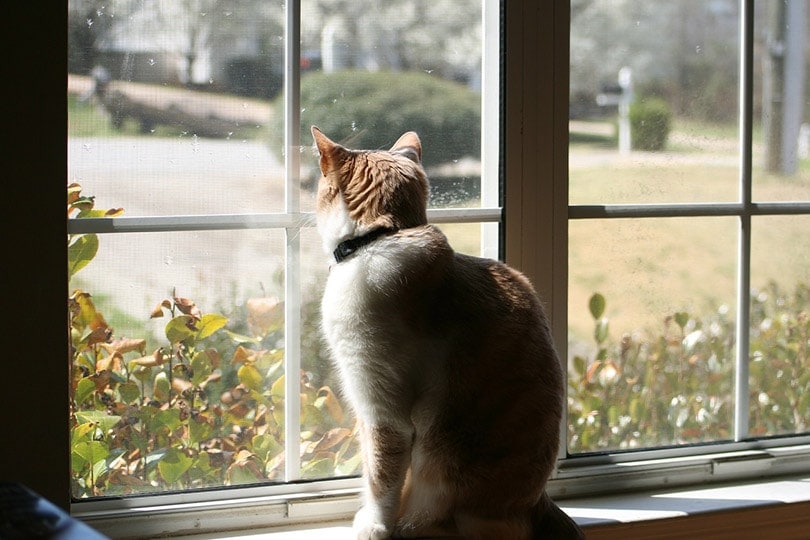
x=85 y=119
x=649 y=269
x=88 y=119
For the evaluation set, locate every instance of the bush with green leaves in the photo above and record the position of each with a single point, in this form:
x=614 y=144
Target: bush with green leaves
x=676 y=386
x=780 y=361
x=360 y=110
x=650 y=124
x=203 y=409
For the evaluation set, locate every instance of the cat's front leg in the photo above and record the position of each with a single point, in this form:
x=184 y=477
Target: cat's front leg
x=386 y=455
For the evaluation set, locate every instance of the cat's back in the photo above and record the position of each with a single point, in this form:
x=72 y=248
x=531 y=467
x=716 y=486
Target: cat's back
x=414 y=276
x=379 y=297
x=374 y=317
x=487 y=284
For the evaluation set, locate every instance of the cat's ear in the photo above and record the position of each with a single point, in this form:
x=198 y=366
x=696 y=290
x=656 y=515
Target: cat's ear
x=332 y=154
x=409 y=146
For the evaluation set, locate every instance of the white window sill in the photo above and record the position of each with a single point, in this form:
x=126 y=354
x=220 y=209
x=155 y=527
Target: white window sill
x=599 y=514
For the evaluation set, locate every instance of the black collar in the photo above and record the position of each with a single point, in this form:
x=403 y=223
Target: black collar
x=346 y=248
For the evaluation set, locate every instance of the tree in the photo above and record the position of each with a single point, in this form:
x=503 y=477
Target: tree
x=89 y=23
x=685 y=51
x=440 y=35
x=784 y=67
x=193 y=29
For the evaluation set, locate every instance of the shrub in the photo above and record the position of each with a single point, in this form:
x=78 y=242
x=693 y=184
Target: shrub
x=204 y=408
x=675 y=386
x=650 y=123
x=372 y=109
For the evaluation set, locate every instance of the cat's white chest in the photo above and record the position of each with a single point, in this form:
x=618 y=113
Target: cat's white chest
x=345 y=293
x=352 y=332
x=342 y=306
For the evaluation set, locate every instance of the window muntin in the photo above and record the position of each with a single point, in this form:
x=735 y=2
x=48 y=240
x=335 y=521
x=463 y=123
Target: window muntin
x=724 y=257
x=225 y=220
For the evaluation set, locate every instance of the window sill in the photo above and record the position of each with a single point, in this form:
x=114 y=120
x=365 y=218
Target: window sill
x=776 y=508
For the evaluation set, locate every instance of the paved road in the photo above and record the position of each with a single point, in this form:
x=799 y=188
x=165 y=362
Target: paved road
x=186 y=175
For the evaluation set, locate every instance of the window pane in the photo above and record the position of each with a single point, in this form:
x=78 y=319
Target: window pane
x=150 y=176
x=780 y=327
x=782 y=147
x=170 y=105
x=329 y=443
x=373 y=70
x=170 y=400
x=654 y=102
x=465 y=237
x=651 y=358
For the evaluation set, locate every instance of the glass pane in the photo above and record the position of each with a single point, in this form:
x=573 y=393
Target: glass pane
x=651 y=332
x=177 y=347
x=654 y=102
x=178 y=176
x=170 y=105
x=374 y=70
x=782 y=137
x=780 y=326
x=464 y=237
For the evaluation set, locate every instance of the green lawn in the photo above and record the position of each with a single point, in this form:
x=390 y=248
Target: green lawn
x=89 y=119
x=647 y=270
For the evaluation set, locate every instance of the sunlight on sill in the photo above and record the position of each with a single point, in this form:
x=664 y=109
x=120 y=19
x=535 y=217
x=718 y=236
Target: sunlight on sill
x=684 y=502
x=595 y=511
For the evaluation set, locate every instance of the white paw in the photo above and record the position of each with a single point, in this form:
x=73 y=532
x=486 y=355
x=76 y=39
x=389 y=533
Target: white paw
x=366 y=527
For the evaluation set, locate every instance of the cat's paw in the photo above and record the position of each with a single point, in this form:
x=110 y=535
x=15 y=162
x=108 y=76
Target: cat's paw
x=366 y=527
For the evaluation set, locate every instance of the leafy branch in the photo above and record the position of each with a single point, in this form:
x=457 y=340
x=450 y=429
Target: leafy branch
x=180 y=417
x=676 y=386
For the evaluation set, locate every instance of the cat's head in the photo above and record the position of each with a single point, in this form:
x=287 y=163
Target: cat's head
x=362 y=190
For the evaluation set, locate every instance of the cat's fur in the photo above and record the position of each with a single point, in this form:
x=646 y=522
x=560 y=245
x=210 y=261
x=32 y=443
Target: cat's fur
x=446 y=359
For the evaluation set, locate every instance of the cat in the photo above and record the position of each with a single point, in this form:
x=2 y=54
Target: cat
x=446 y=360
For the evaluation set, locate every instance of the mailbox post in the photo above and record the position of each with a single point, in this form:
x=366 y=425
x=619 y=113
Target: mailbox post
x=621 y=96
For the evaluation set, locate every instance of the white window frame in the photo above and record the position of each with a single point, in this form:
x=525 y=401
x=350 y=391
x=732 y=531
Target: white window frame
x=743 y=457
x=534 y=163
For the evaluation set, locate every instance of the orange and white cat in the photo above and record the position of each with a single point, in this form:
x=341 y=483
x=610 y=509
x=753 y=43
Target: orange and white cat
x=446 y=360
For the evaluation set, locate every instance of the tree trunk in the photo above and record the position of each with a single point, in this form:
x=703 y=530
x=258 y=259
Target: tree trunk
x=784 y=86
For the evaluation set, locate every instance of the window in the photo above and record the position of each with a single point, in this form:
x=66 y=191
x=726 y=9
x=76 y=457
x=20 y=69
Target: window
x=195 y=267
x=564 y=224
x=689 y=210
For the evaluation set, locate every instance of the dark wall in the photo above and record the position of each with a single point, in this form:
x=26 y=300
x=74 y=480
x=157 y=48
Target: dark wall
x=34 y=360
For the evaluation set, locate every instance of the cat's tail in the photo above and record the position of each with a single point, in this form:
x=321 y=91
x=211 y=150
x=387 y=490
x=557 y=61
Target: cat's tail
x=551 y=523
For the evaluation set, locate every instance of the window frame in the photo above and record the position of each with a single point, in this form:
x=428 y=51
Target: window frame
x=292 y=220
x=743 y=457
x=534 y=146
